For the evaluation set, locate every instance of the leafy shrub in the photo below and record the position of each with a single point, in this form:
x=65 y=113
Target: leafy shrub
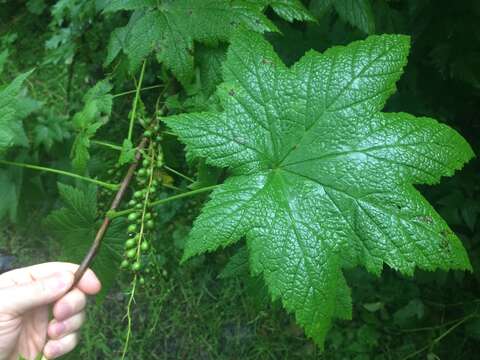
x=292 y=116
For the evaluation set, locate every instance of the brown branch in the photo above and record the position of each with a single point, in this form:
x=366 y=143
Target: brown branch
x=92 y=252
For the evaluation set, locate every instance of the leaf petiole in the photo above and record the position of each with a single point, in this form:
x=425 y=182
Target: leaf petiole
x=115 y=214
x=135 y=101
x=62 y=172
x=172 y=187
x=134 y=91
x=107 y=145
x=178 y=173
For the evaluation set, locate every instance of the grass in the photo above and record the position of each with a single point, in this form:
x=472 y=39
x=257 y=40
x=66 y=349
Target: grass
x=190 y=315
x=182 y=312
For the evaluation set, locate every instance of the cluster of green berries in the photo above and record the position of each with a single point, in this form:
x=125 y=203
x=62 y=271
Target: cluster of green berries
x=141 y=223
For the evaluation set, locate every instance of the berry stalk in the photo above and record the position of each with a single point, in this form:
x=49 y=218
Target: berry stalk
x=106 y=221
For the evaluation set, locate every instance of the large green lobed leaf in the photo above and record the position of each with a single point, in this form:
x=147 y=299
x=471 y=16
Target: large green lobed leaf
x=321 y=178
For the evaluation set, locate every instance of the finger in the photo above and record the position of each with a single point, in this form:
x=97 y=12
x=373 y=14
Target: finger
x=21 y=298
x=59 y=329
x=89 y=282
x=55 y=348
x=69 y=305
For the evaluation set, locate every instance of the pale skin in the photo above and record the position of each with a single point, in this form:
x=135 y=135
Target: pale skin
x=26 y=297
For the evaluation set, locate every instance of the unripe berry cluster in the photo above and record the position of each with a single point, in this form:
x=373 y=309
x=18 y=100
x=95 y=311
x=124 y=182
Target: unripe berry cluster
x=141 y=222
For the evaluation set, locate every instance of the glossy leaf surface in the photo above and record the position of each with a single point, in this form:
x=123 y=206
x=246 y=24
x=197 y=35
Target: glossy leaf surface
x=321 y=178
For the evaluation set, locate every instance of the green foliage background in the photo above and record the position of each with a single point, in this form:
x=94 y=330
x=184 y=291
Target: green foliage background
x=188 y=311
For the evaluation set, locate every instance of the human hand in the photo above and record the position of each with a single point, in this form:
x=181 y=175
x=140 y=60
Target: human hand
x=25 y=297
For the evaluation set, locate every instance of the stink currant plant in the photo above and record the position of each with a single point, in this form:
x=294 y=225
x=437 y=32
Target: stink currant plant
x=318 y=178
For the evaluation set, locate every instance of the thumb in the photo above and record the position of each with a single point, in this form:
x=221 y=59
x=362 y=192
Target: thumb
x=39 y=292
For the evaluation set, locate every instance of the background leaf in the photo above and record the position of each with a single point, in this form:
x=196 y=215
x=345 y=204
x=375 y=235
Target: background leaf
x=95 y=113
x=12 y=112
x=75 y=226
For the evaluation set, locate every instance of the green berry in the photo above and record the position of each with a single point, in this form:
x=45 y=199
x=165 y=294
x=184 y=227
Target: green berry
x=131 y=253
x=147 y=133
x=132 y=216
x=153 y=189
x=124 y=264
x=148 y=216
x=130 y=243
x=139 y=206
x=154 y=182
x=145 y=162
x=132 y=203
x=132 y=228
x=144 y=246
x=137 y=194
x=142 y=172
x=136 y=266
x=142 y=281
x=150 y=224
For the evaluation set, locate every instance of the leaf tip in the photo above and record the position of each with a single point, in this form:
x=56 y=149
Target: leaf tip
x=185 y=257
